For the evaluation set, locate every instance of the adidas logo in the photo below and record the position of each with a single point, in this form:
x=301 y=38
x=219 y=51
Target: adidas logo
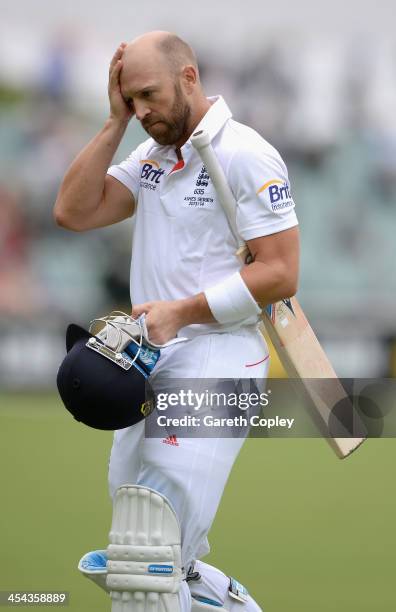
x=172 y=440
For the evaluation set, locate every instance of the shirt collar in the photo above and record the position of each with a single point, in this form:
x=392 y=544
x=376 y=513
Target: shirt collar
x=212 y=122
x=215 y=118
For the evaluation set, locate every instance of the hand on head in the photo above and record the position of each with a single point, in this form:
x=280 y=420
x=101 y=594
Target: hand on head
x=119 y=108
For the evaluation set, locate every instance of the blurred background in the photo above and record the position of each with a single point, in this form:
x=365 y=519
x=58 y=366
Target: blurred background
x=320 y=88
x=318 y=84
x=316 y=79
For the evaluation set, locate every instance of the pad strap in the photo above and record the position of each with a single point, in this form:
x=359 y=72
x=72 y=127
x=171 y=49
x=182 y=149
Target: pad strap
x=203 y=604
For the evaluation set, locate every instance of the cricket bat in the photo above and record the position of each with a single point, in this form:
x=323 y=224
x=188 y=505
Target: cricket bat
x=285 y=323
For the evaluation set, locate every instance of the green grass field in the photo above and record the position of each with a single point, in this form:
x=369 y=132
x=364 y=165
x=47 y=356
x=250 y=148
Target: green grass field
x=304 y=531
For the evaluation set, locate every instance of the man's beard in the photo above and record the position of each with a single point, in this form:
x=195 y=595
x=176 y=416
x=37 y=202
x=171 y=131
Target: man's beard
x=172 y=129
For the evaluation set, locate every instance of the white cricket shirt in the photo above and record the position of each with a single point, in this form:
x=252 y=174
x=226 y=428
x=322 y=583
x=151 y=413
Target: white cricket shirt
x=182 y=243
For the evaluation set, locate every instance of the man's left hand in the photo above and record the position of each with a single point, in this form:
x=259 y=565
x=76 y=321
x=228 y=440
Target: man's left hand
x=163 y=319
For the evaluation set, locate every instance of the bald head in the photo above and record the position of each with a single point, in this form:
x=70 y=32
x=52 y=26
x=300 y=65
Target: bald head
x=159 y=79
x=169 y=49
x=177 y=53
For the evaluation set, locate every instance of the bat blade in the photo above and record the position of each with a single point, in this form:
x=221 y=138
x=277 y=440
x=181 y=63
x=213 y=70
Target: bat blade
x=303 y=358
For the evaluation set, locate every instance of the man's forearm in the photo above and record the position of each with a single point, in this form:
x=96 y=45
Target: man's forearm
x=195 y=309
x=269 y=283
x=229 y=300
x=82 y=188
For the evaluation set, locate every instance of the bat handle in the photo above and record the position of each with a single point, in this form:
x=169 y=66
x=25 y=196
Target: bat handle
x=244 y=255
x=202 y=143
x=200 y=139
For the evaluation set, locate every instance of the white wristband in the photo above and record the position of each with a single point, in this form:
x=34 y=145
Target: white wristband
x=231 y=300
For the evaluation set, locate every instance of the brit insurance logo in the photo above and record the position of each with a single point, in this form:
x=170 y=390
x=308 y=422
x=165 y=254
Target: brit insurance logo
x=278 y=193
x=150 y=174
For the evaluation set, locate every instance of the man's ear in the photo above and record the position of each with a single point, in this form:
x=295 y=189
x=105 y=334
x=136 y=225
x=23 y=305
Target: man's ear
x=189 y=78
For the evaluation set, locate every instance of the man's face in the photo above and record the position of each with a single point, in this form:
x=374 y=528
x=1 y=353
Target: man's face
x=168 y=127
x=160 y=106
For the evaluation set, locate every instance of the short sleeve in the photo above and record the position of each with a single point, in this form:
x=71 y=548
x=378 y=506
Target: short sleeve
x=128 y=172
x=260 y=183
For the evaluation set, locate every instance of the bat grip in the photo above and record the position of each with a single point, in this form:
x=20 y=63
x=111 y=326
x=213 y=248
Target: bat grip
x=201 y=142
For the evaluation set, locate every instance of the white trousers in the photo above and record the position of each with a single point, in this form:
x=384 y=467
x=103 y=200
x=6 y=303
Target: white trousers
x=193 y=473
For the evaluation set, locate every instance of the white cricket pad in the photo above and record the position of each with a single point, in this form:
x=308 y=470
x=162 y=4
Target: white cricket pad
x=144 y=554
x=93 y=566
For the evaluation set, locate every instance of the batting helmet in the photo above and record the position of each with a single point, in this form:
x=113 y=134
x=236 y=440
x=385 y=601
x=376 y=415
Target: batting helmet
x=100 y=388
